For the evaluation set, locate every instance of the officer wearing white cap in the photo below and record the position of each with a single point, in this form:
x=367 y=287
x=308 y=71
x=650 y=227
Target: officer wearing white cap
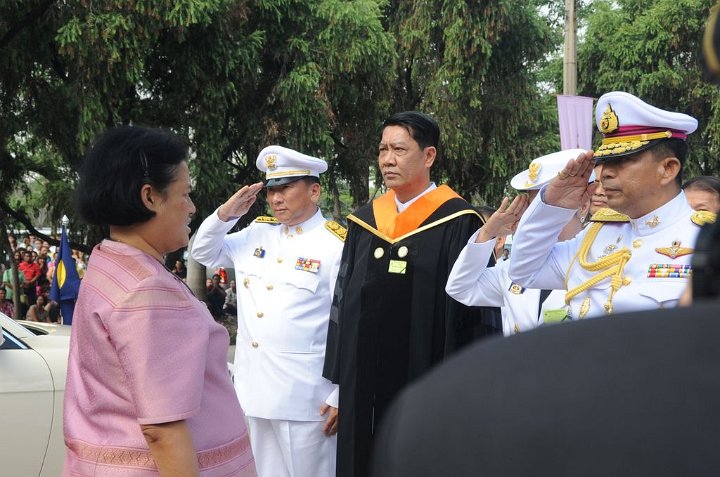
x=635 y=255
x=473 y=284
x=285 y=267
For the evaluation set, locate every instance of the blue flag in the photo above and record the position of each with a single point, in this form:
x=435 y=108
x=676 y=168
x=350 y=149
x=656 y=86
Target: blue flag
x=66 y=282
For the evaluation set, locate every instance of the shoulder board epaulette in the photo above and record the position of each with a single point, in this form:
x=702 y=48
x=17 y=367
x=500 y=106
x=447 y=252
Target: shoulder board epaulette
x=336 y=229
x=264 y=219
x=702 y=217
x=609 y=215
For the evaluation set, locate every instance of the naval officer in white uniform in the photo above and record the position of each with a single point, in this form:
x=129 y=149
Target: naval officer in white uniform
x=472 y=283
x=285 y=269
x=635 y=256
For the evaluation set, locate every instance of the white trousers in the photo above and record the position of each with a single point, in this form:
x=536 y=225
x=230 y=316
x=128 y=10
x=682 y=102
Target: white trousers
x=291 y=448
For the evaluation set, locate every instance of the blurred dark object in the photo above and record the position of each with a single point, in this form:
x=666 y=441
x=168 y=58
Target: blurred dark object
x=706 y=264
x=631 y=395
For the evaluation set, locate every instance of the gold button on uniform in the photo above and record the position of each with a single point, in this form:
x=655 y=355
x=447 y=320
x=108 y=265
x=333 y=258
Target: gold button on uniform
x=402 y=251
x=254 y=344
x=269 y=287
x=379 y=252
x=260 y=314
x=637 y=243
x=279 y=260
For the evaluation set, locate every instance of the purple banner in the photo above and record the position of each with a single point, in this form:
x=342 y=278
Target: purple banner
x=576 y=121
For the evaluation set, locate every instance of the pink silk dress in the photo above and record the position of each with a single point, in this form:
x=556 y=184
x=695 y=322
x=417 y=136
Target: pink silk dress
x=145 y=350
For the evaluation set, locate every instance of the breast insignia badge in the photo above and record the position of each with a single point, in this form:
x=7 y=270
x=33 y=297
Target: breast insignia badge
x=675 y=250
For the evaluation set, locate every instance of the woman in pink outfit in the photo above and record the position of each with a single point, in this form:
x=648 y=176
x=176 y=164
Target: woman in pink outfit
x=148 y=391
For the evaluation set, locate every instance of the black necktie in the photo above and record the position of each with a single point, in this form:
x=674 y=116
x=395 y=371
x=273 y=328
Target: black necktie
x=543 y=296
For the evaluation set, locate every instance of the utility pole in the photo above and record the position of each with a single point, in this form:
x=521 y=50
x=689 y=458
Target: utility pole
x=569 y=56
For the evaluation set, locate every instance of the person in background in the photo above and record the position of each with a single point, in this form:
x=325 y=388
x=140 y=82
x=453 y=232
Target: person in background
x=179 y=269
x=13 y=242
x=148 y=391
x=216 y=297
x=6 y=306
x=7 y=279
x=32 y=273
x=598 y=199
x=40 y=311
x=505 y=255
x=80 y=263
x=231 y=299
x=473 y=284
x=703 y=193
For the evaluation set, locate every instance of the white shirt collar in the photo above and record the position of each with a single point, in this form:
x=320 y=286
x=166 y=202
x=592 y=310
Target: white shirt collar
x=402 y=206
x=303 y=227
x=662 y=217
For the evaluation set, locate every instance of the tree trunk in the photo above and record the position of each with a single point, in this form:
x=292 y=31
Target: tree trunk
x=5 y=248
x=195 y=274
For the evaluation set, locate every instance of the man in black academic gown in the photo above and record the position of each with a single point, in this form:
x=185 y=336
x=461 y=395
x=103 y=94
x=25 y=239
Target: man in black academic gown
x=391 y=319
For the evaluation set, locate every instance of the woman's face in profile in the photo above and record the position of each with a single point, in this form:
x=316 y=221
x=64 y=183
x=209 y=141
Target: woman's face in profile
x=172 y=220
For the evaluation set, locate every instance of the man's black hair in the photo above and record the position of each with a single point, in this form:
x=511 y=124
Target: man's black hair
x=423 y=128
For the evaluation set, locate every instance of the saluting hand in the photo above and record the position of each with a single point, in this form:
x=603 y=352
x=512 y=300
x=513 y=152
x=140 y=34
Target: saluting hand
x=240 y=202
x=569 y=189
x=504 y=221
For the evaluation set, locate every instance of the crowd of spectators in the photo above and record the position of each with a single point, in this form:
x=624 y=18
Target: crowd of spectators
x=220 y=296
x=34 y=260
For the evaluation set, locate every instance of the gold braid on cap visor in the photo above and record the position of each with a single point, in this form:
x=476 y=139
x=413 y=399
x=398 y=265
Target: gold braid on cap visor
x=610 y=266
x=619 y=145
x=299 y=172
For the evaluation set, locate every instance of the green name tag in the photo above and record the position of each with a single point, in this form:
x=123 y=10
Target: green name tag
x=554 y=316
x=397 y=266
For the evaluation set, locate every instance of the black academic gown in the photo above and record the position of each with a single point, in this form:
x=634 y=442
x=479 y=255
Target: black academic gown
x=387 y=328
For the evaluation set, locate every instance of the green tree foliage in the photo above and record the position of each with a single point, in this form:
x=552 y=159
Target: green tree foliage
x=653 y=49
x=229 y=76
x=474 y=65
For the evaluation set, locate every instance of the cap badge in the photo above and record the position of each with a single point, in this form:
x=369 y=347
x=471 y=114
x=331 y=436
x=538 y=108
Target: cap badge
x=609 y=121
x=271 y=162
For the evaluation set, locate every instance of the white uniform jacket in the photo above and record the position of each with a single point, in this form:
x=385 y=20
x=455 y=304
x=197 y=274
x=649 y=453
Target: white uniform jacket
x=473 y=284
x=285 y=282
x=658 y=249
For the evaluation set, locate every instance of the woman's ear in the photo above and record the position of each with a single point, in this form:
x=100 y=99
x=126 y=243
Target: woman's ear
x=147 y=196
